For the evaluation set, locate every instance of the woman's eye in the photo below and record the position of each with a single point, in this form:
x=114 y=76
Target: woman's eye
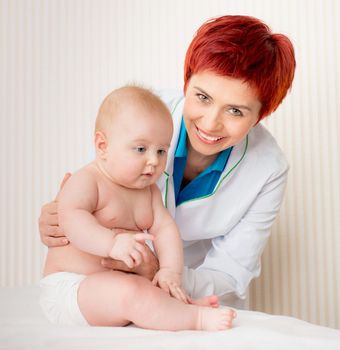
x=235 y=111
x=202 y=97
x=140 y=149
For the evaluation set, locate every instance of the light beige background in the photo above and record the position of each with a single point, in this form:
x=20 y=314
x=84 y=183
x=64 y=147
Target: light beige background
x=58 y=59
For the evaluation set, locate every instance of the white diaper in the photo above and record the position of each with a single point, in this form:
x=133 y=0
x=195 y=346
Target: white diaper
x=58 y=298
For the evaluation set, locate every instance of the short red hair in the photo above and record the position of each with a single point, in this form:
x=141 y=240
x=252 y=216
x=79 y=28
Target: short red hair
x=243 y=47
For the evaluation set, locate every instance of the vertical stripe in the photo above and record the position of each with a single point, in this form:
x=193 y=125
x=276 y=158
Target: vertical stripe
x=58 y=60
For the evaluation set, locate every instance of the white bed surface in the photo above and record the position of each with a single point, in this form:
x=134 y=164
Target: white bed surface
x=22 y=326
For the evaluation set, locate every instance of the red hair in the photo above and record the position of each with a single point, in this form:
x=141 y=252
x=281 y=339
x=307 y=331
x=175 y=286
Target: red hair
x=243 y=47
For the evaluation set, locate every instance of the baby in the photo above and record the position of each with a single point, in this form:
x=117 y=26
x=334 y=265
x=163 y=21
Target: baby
x=100 y=209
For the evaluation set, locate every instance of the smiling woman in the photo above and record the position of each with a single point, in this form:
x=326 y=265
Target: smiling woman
x=225 y=176
x=218 y=113
x=245 y=50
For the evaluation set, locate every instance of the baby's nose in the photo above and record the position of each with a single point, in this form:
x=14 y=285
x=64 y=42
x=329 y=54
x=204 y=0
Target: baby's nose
x=153 y=159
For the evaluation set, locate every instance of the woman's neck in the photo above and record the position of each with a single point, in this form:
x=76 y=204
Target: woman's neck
x=196 y=163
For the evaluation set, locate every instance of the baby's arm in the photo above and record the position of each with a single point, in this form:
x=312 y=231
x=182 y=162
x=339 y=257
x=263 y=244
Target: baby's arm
x=77 y=201
x=168 y=246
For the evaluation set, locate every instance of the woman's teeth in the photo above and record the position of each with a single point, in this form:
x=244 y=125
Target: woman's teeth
x=207 y=137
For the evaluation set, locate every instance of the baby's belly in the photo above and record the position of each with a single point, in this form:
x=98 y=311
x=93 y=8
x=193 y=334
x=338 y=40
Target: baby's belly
x=71 y=259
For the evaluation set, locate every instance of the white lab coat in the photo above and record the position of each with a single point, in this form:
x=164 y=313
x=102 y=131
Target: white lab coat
x=225 y=234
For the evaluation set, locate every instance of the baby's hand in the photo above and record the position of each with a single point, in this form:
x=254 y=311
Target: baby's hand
x=130 y=248
x=170 y=281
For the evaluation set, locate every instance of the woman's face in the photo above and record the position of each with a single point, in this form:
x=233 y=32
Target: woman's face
x=218 y=112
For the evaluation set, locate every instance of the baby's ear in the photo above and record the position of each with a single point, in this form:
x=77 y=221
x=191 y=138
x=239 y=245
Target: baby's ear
x=101 y=144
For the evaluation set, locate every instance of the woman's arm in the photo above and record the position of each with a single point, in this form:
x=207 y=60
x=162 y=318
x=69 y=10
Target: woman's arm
x=148 y=268
x=50 y=233
x=234 y=259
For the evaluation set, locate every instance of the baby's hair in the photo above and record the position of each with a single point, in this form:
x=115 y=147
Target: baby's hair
x=118 y=99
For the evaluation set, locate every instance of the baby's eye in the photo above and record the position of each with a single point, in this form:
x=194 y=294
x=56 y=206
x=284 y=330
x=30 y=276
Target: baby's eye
x=161 y=152
x=140 y=149
x=235 y=111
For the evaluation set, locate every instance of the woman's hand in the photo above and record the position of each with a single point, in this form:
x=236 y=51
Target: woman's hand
x=148 y=268
x=130 y=248
x=50 y=232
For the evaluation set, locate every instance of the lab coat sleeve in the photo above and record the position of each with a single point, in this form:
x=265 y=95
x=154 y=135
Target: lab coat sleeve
x=202 y=282
x=234 y=259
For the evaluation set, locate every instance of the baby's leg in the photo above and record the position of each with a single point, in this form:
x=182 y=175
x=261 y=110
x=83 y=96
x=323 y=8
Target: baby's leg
x=114 y=299
x=101 y=297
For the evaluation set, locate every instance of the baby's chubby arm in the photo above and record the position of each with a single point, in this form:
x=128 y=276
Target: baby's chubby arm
x=76 y=203
x=168 y=246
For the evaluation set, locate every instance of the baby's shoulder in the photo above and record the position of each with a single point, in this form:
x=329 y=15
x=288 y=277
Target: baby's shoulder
x=81 y=187
x=84 y=178
x=86 y=173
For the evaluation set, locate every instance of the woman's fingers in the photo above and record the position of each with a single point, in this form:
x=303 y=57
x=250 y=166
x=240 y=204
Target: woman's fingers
x=143 y=251
x=55 y=231
x=148 y=268
x=49 y=209
x=136 y=257
x=49 y=220
x=129 y=262
x=55 y=241
x=113 y=264
x=50 y=233
x=141 y=245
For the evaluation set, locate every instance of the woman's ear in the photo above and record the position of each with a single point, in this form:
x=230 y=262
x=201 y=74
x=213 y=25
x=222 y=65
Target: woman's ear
x=101 y=144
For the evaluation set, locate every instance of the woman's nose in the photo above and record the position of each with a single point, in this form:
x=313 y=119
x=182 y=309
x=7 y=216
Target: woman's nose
x=211 y=120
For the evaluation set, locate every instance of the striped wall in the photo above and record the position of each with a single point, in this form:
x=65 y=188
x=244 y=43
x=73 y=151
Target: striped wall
x=59 y=58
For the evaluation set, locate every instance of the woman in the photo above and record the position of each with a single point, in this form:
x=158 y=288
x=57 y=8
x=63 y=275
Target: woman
x=225 y=176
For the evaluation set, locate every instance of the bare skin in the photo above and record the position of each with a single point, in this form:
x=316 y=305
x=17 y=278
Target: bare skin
x=145 y=271
x=52 y=235
x=111 y=306
x=117 y=193
x=124 y=302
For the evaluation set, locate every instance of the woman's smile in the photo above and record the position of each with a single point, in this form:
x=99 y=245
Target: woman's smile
x=218 y=112
x=206 y=138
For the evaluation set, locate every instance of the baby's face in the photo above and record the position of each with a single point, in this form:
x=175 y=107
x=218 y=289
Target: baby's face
x=138 y=144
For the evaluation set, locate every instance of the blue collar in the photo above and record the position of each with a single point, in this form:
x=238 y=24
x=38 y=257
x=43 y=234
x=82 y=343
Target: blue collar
x=205 y=183
x=182 y=152
x=181 y=149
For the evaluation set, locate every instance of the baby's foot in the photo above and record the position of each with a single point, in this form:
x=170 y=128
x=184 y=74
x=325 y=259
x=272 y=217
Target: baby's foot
x=211 y=301
x=211 y=319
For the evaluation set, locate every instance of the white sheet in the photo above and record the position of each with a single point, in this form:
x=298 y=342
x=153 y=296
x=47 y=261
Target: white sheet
x=22 y=326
